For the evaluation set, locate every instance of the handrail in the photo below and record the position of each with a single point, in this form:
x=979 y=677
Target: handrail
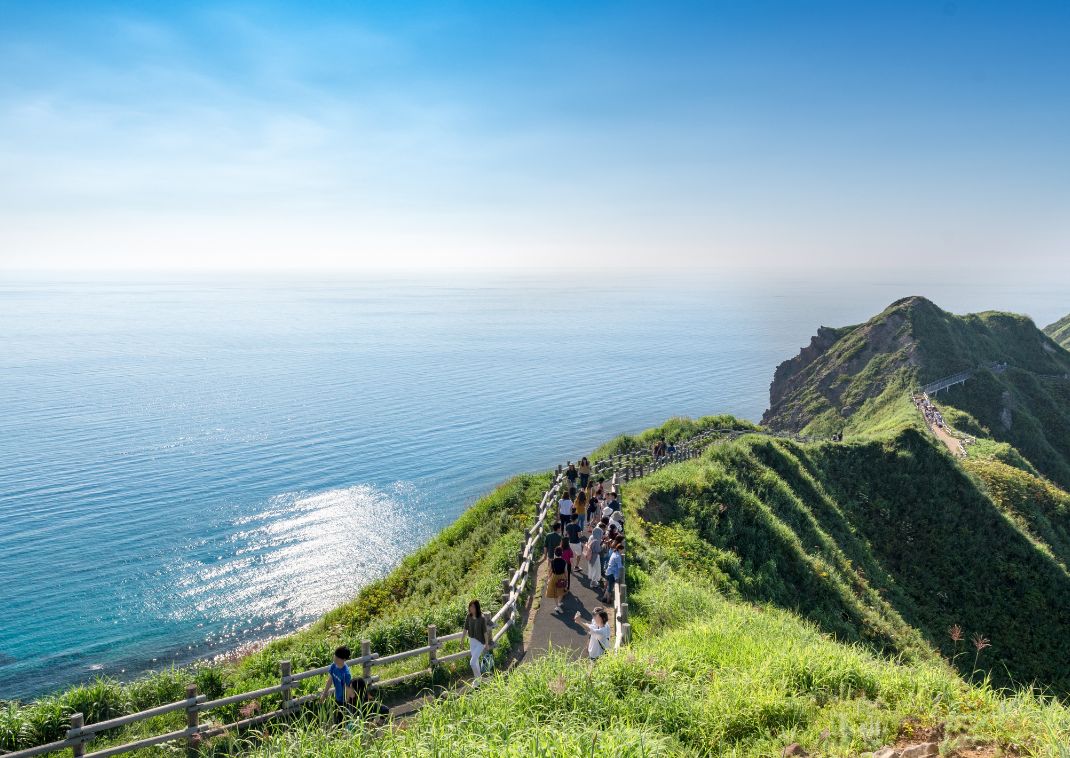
x=625 y=467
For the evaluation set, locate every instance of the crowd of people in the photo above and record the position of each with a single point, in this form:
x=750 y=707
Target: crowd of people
x=586 y=544
x=660 y=449
x=932 y=415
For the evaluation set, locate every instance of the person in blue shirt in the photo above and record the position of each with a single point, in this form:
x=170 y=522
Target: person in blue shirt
x=614 y=570
x=341 y=678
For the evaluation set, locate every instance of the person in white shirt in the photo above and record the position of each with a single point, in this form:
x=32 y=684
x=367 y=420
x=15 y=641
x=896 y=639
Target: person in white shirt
x=598 y=630
x=564 y=507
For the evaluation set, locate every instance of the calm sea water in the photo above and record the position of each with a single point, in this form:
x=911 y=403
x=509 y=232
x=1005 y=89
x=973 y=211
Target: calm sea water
x=189 y=465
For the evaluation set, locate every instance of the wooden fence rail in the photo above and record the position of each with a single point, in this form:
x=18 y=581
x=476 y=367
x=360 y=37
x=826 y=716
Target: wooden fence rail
x=623 y=467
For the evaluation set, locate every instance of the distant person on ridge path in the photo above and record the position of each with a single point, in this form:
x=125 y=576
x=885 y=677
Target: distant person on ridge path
x=557 y=584
x=571 y=473
x=598 y=630
x=476 y=632
x=341 y=678
x=585 y=472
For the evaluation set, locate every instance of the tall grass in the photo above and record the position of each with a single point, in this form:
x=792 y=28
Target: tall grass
x=706 y=676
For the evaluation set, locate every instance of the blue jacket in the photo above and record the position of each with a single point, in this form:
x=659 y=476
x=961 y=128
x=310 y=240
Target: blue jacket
x=615 y=567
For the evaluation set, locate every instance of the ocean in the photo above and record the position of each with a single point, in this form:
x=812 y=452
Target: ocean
x=188 y=464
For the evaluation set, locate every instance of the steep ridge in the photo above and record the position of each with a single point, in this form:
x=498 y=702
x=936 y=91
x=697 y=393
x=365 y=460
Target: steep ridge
x=857 y=380
x=1060 y=331
x=888 y=543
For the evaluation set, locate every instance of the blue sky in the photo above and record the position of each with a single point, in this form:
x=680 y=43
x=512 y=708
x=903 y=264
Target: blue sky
x=724 y=135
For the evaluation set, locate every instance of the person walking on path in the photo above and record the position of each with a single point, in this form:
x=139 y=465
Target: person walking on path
x=594 y=508
x=552 y=541
x=566 y=554
x=478 y=636
x=574 y=540
x=565 y=508
x=571 y=473
x=585 y=472
x=614 y=570
x=598 y=629
x=341 y=678
x=579 y=507
x=557 y=585
x=593 y=551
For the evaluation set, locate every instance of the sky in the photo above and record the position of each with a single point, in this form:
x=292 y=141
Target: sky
x=728 y=135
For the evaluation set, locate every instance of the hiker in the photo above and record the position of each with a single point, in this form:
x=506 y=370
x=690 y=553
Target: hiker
x=604 y=551
x=341 y=678
x=478 y=636
x=594 y=507
x=571 y=473
x=366 y=702
x=614 y=570
x=574 y=539
x=600 y=490
x=579 y=507
x=552 y=541
x=557 y=584
x=566 y=554
x=598 y=630
x=565 y=508
x=593 y=551
x=585 y=472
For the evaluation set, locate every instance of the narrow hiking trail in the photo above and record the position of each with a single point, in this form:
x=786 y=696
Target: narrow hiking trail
x=559 y=630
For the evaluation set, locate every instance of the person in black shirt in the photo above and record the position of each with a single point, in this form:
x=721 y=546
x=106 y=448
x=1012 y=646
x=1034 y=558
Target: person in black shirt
x=575 y=541
x=557 y=586
x=552 y=541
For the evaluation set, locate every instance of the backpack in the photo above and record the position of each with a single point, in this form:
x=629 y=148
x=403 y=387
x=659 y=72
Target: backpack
x=486 y=662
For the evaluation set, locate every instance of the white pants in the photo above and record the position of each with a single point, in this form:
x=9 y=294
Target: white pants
x=476 y=648
x=594 y=568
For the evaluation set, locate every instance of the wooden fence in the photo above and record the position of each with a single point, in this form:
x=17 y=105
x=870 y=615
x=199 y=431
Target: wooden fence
x=623 y=468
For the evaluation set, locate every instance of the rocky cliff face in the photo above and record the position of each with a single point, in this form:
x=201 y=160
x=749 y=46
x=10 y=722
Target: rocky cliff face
x=840 y=369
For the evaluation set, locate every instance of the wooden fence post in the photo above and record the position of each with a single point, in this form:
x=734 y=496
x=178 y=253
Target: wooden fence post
x=285 y=669
x=625 y=633
x=506 y=591
x=432 y=642
x=640 y=469
x=365 y=653
x=193 y=716
x=77 y=722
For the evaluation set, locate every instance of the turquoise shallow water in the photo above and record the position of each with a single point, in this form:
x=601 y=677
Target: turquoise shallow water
x=189 y=465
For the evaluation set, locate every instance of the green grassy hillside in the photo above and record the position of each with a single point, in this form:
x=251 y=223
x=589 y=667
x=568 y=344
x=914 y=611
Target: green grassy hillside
x=858 y=380
x=706 y=675
x=887 y=543
x=1060 y=331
